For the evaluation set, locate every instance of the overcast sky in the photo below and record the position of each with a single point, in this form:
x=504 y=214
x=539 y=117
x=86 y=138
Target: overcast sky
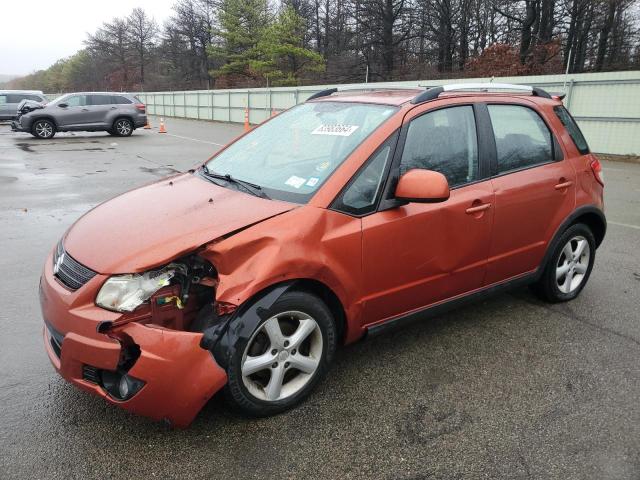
x=36 y=33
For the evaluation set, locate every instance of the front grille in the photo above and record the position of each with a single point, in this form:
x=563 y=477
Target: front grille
x=91 y=374
x=55 y=339
x=71 y=273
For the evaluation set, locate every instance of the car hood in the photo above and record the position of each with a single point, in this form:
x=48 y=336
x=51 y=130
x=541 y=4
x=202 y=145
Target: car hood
x=27 y=106
x=151 y=225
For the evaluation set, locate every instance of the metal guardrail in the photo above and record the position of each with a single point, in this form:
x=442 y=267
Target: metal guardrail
x=606 y=105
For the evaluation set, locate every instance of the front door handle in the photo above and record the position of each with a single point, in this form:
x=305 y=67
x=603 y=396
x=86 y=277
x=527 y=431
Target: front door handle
x=478 y=208
x=563 y=185
x=85 y=109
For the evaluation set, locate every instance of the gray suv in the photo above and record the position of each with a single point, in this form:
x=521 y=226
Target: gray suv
x=114 y=112
x=10 y=99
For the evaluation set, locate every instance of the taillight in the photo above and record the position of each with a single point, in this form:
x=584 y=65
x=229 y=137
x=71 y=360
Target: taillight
x=141 y=107
x=596 y=168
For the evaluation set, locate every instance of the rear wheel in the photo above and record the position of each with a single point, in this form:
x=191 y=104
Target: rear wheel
x=43 y=129
x=122 y=127
x=567 y=270
x=285 y=357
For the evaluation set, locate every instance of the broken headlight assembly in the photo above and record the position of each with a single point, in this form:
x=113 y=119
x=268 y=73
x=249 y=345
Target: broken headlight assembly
x=125 y=293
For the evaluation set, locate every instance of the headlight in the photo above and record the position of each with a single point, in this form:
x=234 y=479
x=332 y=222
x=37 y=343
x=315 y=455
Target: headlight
x=124 y=293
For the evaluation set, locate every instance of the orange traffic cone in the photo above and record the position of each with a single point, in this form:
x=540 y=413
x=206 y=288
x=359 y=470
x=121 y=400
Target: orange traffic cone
x=162 y=129
x=147 y=126
x=246 y=120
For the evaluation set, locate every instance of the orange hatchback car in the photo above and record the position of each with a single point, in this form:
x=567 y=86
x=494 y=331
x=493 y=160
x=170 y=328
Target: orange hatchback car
x=346 y=215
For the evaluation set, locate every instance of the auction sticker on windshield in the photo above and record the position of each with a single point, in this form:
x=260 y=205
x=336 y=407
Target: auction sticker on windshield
x=295 y=182
x=337 y=129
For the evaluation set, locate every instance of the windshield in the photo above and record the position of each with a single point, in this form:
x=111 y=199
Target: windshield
x=59 y=99
x=293 y=154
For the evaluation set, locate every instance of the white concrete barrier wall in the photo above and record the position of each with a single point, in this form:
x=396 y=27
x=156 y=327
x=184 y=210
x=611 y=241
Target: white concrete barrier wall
x=606 y=105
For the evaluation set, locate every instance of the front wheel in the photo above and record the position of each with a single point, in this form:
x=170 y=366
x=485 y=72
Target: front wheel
x=569 y=266
x=285 y=357
x=43 y=129
x=122 y=127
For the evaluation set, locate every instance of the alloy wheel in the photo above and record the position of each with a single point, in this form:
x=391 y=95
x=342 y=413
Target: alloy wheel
x=573 y=264
x=282 y=356
x=44 y=129
x=123 y=127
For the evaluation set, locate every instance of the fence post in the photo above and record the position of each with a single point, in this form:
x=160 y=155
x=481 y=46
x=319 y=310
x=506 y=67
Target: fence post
x=569 y=92
x=249 y=105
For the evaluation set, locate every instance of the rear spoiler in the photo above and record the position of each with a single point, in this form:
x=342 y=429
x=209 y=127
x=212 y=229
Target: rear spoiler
x=557 y=95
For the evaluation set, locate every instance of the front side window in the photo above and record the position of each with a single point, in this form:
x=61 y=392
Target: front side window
x=290 y=156
x=522 y=138
x=444 y=141
x=74 y=101
x=573 y=129
x=362 y=193
x=3 y=99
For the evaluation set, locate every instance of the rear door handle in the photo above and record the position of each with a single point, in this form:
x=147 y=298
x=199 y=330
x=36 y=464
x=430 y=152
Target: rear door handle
x=85 y=109
x=563 y=185
x=479 y=208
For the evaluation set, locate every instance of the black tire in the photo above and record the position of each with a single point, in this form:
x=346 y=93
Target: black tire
x=43 y=129
x=554 y=289
x=236 y=391
x=122 y=127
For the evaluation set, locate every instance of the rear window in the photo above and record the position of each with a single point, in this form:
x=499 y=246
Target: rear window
x=573 y=129
x=120 y=100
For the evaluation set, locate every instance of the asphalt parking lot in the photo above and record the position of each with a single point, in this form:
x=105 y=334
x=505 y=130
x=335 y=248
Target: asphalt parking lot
x=507 y=388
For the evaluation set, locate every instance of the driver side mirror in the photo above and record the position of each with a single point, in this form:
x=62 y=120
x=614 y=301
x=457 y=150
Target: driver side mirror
x=422 y=186
x=63 y=105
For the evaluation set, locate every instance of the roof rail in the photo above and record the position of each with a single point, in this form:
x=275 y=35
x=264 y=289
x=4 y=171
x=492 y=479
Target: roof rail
x=331 y=91
x=322 y=93
x=433 y=93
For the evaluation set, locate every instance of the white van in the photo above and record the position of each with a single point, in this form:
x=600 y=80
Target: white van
x=10 y=99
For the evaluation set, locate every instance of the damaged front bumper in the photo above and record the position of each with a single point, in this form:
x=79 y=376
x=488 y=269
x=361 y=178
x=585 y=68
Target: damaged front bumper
x=179 y=376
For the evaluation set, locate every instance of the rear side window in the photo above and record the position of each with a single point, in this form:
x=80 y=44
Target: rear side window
x=522 y=138
x=16 y=97
x=573 y=129
x=99 y=99
x=445 y=141
x=120 y=100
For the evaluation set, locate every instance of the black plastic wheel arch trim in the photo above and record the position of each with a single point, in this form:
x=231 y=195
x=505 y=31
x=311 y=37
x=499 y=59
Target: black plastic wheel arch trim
x=222 y=338
x=570 y=220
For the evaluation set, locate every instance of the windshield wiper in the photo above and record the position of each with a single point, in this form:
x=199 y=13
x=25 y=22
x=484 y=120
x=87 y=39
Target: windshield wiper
x=252 y=188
